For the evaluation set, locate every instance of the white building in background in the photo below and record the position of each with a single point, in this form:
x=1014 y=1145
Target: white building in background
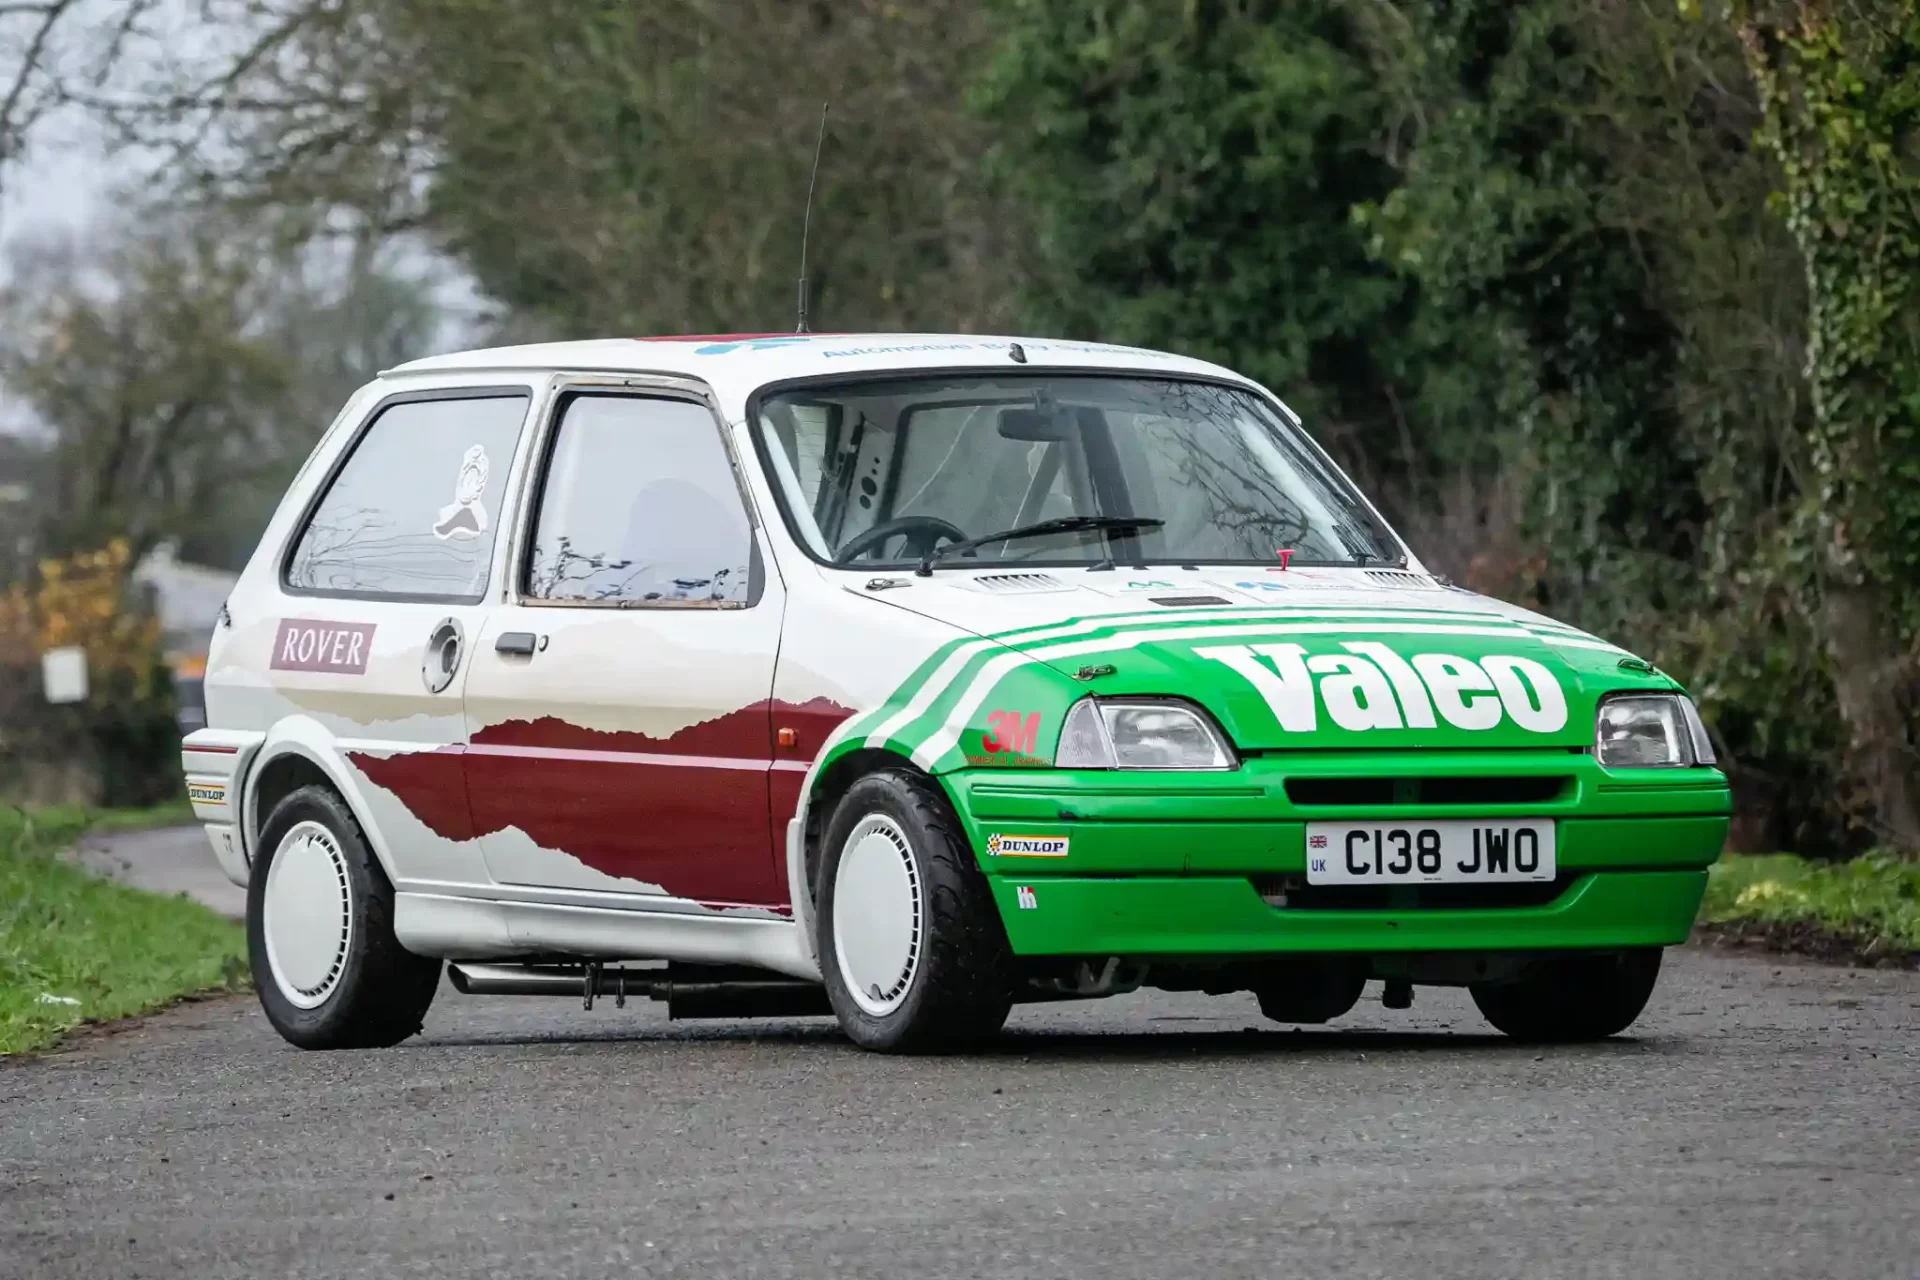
x=187 y=600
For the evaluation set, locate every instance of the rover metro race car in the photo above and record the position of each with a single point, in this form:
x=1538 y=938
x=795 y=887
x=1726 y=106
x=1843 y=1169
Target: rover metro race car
x=910 y=678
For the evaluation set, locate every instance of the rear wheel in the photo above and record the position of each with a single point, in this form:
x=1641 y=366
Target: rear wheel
x=911 y=946
x=328 y=969
x=1573 y=997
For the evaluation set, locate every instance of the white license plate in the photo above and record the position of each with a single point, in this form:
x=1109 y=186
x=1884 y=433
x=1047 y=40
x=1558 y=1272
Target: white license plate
x=1449 y=851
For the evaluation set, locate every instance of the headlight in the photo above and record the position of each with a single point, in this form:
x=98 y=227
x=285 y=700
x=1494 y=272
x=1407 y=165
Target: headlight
x=1100 y=734
x=1651 y=731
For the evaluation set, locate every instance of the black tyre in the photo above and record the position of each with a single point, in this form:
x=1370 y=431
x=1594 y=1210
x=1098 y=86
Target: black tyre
x=911 y=945
x=329 y=971
x=1572 y=997
x=1311 y=989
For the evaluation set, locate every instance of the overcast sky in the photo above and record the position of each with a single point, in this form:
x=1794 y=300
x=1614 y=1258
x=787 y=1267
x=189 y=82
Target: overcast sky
x=60 y=185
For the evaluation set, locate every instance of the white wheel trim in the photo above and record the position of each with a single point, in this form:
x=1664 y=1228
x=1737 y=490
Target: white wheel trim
x=878 y=917
x=306 y=915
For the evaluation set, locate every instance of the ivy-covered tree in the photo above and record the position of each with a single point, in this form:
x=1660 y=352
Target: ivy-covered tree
x=1839 y=85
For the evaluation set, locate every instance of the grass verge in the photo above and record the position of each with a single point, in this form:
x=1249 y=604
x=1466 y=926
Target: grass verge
x=66 y=935
x=1866 y=911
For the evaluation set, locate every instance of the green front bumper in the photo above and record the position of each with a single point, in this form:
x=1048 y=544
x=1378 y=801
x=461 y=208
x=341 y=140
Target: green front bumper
x=1162 y=864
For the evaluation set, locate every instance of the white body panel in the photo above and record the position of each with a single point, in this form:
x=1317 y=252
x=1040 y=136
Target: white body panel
x=625 y=683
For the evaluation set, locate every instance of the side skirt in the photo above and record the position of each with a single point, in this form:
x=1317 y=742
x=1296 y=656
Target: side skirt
x=461 y=928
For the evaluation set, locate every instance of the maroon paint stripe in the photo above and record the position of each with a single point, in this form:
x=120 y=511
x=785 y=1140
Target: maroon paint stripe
x=432 y=784
x=673 y=811
x=617 y=757
x=212 y=751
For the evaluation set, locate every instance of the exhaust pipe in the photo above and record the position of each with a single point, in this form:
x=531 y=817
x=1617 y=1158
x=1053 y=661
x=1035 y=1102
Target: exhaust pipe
x=688 y=990
x=540 y=980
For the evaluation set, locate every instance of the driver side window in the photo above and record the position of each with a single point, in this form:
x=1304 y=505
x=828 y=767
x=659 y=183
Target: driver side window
x=639 y=506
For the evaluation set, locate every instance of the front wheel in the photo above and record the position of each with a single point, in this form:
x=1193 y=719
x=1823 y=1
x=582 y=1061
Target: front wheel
x=911 y=946
x=329 y=971
x=1573 y=997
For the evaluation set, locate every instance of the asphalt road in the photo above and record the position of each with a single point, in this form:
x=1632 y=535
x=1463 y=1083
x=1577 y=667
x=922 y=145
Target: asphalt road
x=165 y=860
x=1764 y=1120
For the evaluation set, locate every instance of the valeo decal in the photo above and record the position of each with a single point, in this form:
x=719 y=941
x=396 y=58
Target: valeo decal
x=1372 y=687
x=1459 y=670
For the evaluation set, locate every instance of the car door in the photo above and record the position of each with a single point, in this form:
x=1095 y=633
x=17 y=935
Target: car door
x=620 y=734
x=381 y=592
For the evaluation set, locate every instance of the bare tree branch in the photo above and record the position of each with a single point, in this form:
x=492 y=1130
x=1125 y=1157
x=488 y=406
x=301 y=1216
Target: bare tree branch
x=19 y=110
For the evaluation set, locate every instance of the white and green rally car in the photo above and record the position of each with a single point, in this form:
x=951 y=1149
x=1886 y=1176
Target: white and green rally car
x=909 y=678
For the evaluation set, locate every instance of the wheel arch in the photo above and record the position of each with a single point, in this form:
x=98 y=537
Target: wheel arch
x=832 y=776
x=300 y=752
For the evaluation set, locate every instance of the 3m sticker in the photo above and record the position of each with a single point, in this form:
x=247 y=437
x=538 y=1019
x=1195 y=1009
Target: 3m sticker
x=207 y=792
x=308 y=644
x=1009 y=846
x=464 y=518
x=1009 y=738
x=1011 y=731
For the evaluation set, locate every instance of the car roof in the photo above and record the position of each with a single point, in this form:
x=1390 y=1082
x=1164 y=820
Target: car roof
x=737 y=363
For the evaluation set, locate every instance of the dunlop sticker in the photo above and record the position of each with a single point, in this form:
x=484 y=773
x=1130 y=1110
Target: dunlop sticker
x=1005 y=846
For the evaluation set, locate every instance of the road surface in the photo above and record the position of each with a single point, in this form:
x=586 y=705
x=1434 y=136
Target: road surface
x=1763 y=1121
x=163 y=860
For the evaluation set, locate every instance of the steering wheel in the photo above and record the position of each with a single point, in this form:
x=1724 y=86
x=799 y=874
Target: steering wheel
x=923 y=533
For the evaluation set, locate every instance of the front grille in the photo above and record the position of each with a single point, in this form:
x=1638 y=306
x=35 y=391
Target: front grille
x=1293 y=893
x=1352 y=792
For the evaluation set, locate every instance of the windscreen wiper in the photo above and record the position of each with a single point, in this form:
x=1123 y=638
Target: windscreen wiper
x=1360 y=528
x=1064 y=524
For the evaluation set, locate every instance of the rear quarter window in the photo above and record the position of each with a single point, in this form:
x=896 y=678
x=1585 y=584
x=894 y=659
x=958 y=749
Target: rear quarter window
x=414 y=511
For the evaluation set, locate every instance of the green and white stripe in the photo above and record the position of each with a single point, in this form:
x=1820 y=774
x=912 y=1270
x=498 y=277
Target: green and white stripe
x=940 y=705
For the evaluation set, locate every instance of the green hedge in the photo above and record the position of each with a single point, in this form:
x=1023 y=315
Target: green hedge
x=1869 y=907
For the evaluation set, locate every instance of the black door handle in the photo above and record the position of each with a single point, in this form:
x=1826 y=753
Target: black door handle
x=519 y=642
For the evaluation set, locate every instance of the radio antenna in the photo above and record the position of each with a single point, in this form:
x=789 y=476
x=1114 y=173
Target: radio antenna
x=806 y=219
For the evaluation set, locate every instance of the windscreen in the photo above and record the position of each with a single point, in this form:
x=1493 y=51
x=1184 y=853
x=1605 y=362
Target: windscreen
x=879 y=473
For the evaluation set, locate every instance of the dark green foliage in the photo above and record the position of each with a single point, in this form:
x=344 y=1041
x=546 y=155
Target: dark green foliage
x=1516 y=263
x=1189 y=171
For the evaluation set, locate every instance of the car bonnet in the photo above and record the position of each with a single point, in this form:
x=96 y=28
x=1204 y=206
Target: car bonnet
x=1298 y=658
